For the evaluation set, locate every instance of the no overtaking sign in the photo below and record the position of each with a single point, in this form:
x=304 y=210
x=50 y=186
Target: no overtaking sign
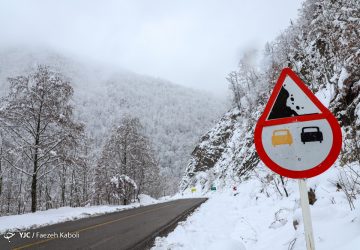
x=296 y=136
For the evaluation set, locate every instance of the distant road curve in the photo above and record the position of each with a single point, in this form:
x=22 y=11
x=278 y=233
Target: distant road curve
x=129 y=229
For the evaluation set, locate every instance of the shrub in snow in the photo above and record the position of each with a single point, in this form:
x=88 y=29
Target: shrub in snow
x=123 y=188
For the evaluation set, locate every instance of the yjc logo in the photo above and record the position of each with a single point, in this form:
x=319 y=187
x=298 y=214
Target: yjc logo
x=9 y=235
x=24 y=235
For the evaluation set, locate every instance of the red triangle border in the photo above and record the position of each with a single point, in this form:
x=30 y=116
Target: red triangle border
x=288 y=72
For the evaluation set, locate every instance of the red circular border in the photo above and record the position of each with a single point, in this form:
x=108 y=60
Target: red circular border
x=325 y=114
x=316 y=170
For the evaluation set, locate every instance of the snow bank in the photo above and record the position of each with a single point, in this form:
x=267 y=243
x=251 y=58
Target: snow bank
x=53 y=216
x=249 y=219
x=147 y=199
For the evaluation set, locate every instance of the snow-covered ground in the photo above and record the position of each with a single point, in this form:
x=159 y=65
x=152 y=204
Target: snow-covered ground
x=53 y=216
x=256 y=218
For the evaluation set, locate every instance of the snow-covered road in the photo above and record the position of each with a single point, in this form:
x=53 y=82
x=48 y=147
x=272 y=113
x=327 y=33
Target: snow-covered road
x=53 y=216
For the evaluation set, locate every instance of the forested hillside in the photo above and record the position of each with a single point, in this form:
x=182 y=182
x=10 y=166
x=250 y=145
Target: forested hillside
x=99 y=99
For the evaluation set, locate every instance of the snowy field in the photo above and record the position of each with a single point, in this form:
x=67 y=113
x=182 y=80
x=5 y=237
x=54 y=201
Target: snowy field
x=250 y=220
x=53 y=216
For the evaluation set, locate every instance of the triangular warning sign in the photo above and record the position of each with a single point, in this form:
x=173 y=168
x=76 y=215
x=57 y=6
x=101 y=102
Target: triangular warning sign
x=296 y=136
x=291 y=100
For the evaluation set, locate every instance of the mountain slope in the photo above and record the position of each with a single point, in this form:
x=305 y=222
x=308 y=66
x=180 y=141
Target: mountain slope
x=173 y=116
x=322 y=47
x=253 y=207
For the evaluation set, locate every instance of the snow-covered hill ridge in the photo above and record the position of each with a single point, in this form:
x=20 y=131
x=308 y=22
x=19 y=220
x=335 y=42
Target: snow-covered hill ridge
x=173 y=116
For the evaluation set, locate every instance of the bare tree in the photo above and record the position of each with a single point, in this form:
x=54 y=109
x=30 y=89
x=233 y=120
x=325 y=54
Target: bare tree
x=127 y=153
x=37 y=115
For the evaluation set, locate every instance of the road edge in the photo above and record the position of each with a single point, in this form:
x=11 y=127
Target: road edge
x=148 y=242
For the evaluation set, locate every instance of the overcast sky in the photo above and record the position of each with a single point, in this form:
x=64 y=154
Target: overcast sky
x=190 y=42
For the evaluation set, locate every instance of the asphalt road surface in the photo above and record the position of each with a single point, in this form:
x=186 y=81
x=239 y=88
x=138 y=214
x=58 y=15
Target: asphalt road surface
x=129 y=229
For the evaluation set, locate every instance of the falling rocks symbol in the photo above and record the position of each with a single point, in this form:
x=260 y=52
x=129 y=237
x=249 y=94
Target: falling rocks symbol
x=280 y=109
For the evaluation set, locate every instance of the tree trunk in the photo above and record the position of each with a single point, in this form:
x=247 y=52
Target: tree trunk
x=34 y=180
x=36 y=162
x=33 y=192
x=63 y=186
x=71 y=200
x=84 y=194
x=283 y=184
x=9 y=192
x=20 y=196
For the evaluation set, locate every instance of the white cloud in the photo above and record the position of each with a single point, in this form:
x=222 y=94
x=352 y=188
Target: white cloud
x=194 y=43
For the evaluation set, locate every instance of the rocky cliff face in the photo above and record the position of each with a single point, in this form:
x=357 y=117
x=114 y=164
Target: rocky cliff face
x=224 y=154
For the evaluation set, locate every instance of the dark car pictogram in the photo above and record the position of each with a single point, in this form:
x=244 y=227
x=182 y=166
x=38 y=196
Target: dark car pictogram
x=309 y=134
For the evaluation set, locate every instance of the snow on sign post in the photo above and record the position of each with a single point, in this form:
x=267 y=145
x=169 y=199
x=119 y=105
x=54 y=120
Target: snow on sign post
x=297 y=137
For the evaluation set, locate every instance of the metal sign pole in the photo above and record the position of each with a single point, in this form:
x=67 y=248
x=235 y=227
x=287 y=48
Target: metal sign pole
x=304 y=200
